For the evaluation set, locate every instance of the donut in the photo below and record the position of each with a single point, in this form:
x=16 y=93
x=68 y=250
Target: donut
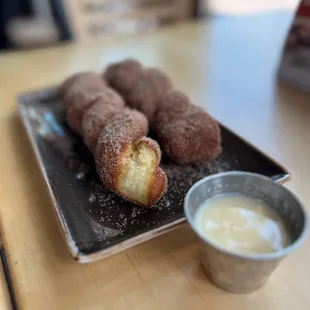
x=127 y=161
x=124 y=128
x=67 y=82
x=98 y=115
x=76 y=110
x=83 y=100
x=146 y=91
x=87 y=83
x=194 y=137
x=171 y=105
x=186 y=133
x=122 y=75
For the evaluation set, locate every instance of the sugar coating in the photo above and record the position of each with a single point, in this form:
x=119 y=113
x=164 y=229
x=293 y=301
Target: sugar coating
x=146 y=91
x=80 y=102
x=85 y=82
x=192 y=138
x=68 y=81
x=122 y=75
x=124 y=129
x=98 y=115
x=171 y=105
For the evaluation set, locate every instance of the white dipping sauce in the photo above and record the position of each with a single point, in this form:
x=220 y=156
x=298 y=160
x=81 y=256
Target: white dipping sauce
x=241 y=224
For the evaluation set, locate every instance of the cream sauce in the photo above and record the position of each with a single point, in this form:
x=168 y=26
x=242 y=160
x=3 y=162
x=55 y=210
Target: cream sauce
x=241 y=224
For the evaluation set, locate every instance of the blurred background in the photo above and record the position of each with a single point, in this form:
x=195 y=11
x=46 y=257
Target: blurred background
x=28 y=24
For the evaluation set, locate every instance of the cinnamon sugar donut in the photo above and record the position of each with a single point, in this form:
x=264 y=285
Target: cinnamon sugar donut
x=83 y=100
x=192 y=138
x=98 y=115
x=122 y=75
x=171 y=105
x=67 y=82
x=87 y=83
x=76 y=110
x=127 y=161
x=125 y=127
x=146 y=91
x=188 y=134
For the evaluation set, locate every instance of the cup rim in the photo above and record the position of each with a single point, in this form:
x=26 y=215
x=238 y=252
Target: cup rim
x=266 y=256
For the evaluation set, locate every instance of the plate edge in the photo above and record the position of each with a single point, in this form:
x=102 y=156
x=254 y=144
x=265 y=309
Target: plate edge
x=126 y=244
x=63 y=227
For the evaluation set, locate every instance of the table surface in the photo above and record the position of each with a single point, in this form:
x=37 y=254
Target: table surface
x=227 y=65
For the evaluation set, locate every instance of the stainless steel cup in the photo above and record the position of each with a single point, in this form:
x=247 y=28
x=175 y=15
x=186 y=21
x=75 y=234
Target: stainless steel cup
x=244 y=273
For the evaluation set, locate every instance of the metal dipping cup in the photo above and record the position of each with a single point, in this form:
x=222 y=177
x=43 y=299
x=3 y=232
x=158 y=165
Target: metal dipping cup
x=238 y=272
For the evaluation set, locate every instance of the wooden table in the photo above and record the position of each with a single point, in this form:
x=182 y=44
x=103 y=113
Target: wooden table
x=205 y=61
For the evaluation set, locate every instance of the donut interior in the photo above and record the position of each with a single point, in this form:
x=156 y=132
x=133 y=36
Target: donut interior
x=138 y=165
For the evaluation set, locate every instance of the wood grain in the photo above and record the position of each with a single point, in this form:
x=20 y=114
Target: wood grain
x=237 y=88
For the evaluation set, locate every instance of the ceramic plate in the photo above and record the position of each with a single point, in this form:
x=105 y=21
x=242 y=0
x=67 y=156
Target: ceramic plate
x=95 y=222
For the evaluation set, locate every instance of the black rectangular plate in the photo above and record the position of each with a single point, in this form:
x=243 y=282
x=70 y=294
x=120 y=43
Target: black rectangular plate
x=95 y=222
